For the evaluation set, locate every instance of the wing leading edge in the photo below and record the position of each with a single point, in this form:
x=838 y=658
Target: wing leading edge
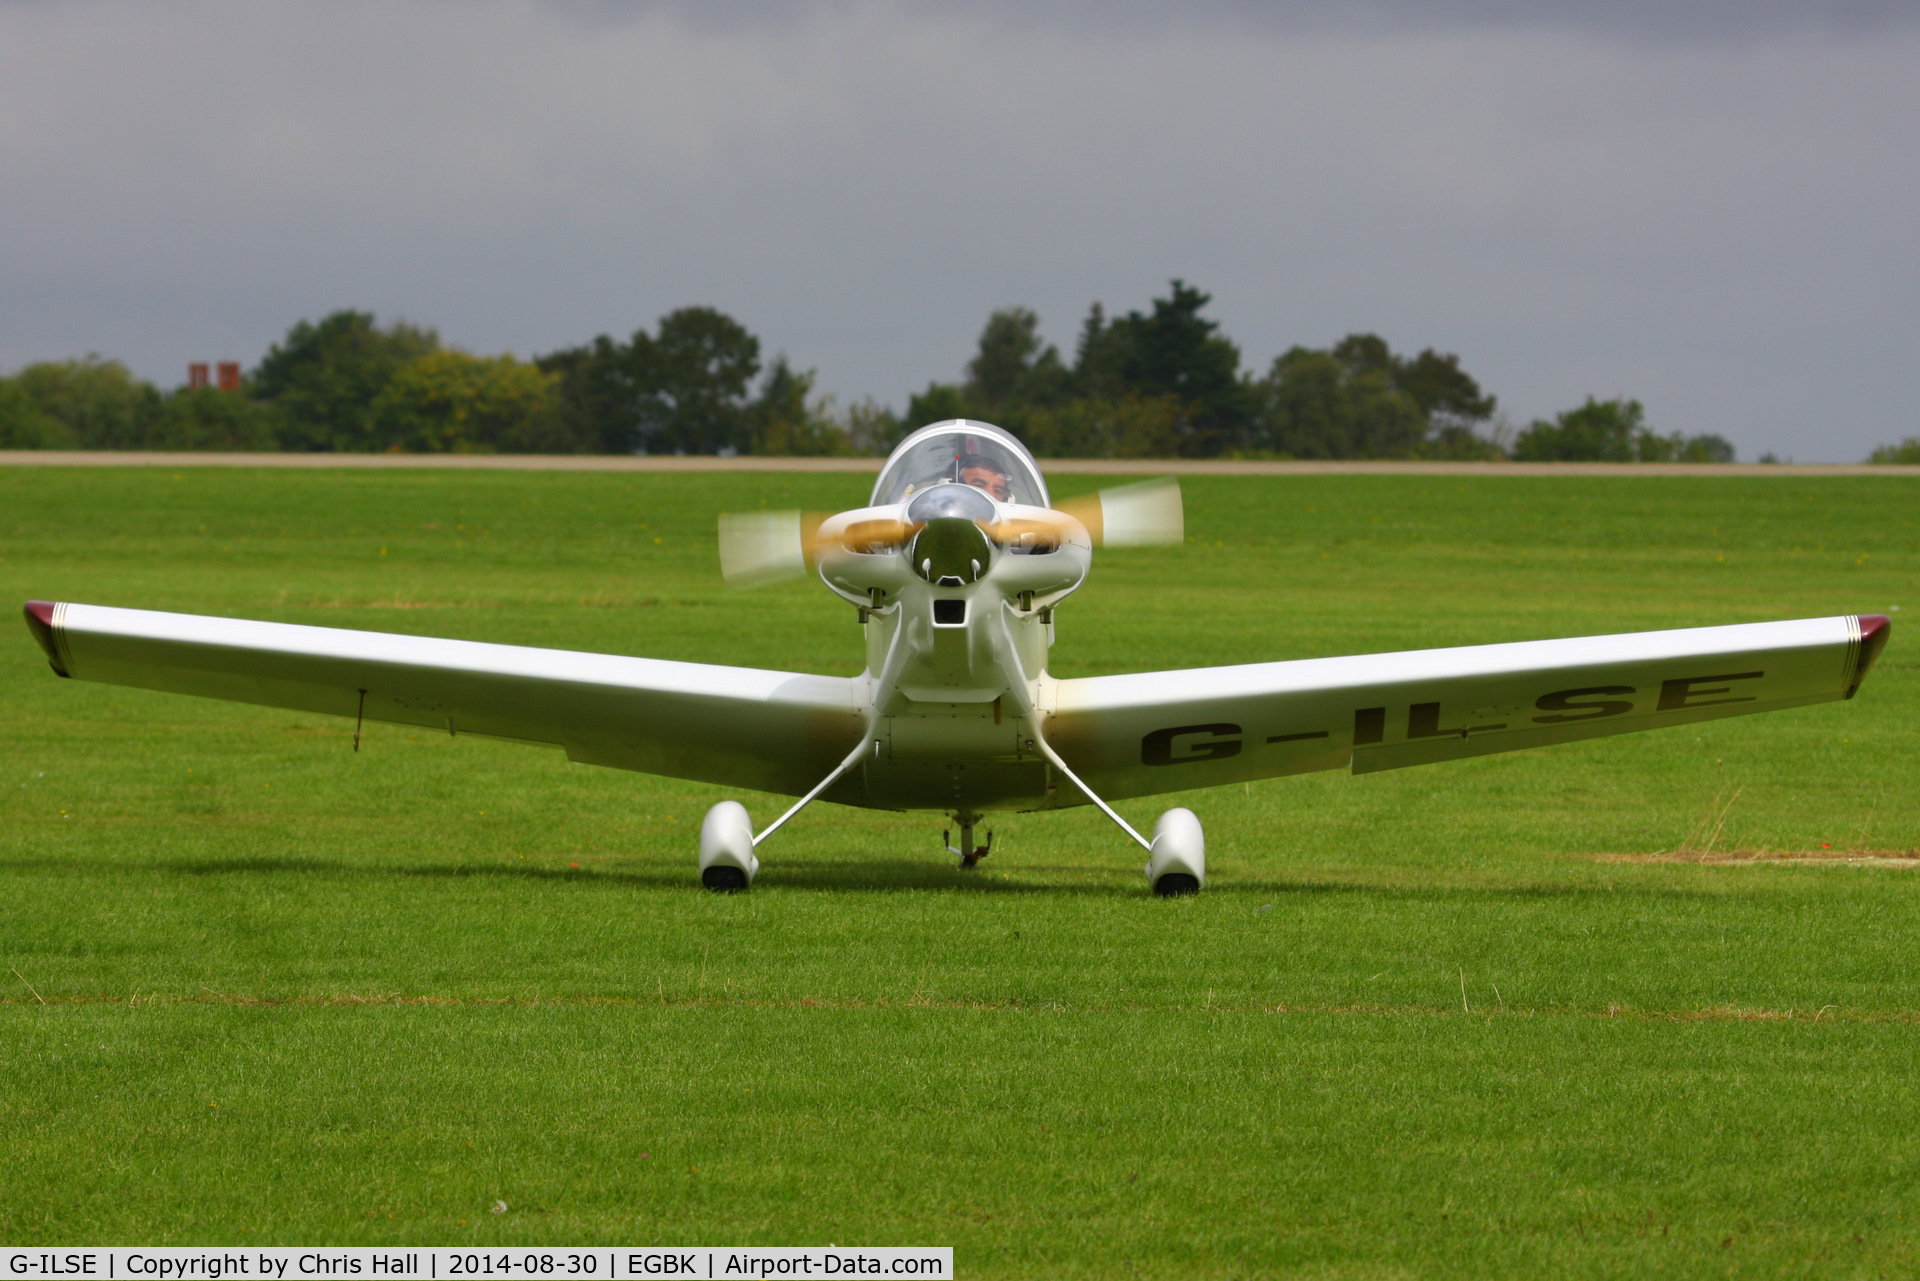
x=1153 y=732
x=743 y=727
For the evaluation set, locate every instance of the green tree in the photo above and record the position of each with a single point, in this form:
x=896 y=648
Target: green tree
x=1358 y=399
x=323 y=379
x=1455 y=408
x=1126 y=426
x=1614 y=431
x=786 y=421
x=448 y=401
x=1605 y=431
x=1164 y=381
x=1305 y=414
x=692 y=380
x=872 y=427
x=1013 y=373
x=1014 y=368
x=1341 y=403
x=23 y=425
x=1442 y=389
x=939 y=402
x=597 y=413
x=1099 y=356
x=1171 y=351
x=1364 y=354
x=1709 y=448
x=681 y=389
x=1458 y=442
x=98 y=402
x=1907 y=451
x=208 y=418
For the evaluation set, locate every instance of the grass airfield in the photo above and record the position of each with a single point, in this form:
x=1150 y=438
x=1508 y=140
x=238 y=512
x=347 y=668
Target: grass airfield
x=1570 y=1012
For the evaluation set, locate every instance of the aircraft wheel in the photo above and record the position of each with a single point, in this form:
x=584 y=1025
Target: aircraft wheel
x=1178 y=864
x=1174 y=884
x=724 y=880
x=727 y=863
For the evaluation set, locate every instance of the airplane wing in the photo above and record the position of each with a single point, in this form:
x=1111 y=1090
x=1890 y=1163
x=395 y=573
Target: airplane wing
x=773 y=731
x=1153 y=732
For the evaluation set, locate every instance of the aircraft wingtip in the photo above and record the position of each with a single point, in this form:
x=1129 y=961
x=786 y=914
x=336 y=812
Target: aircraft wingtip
x=1874 y=630
x=40 y=622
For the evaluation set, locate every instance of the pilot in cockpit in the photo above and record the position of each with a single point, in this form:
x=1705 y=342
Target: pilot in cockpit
x=975 y=467
x=984 y=471
x=976 y=455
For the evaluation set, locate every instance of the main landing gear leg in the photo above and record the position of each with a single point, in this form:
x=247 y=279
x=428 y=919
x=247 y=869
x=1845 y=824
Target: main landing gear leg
x=970 y=855
x=1177 y=854
x=727 y=842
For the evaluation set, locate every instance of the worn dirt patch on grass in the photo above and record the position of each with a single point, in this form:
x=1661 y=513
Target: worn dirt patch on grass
x=1803 y=858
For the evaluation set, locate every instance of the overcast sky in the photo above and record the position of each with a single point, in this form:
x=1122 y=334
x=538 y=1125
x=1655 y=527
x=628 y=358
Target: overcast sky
x=1714 y=207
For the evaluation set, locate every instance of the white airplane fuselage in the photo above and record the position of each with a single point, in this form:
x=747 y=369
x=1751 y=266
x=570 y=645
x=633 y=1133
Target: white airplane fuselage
x=956 y=680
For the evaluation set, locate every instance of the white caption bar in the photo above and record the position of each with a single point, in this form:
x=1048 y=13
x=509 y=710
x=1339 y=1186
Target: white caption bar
x=412 y=1263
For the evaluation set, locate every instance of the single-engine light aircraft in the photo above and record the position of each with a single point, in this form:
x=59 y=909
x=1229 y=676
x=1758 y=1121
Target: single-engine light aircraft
x=956 y=568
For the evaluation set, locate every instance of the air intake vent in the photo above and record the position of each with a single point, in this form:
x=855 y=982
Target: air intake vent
x=949 y=613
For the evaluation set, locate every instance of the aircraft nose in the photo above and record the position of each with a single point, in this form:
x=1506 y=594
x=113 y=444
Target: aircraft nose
x=951 y=552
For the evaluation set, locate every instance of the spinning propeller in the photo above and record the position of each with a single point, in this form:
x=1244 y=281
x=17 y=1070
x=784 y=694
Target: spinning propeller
x=757 y=548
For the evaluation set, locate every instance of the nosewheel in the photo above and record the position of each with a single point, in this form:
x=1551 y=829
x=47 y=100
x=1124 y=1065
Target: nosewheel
x=970 y=854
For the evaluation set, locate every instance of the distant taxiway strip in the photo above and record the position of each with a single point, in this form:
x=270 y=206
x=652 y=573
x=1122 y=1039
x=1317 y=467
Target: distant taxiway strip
x=1052 y=466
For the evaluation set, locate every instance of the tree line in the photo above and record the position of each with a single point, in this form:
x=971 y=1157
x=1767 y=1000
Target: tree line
x=1167 y=383
x=346 y=384
x=1160 y=383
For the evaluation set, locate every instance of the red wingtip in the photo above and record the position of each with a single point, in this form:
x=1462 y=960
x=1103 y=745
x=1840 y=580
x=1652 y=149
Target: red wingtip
x=40 y=622
x=1874 y=630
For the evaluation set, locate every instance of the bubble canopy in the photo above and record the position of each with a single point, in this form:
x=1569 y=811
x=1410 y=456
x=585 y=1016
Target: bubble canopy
x=961 y=451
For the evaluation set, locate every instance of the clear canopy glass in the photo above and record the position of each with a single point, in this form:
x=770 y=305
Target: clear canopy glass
x=967 y=502
x=961 y=451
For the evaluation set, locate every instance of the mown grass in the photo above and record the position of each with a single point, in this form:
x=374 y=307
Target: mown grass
x=265 y=989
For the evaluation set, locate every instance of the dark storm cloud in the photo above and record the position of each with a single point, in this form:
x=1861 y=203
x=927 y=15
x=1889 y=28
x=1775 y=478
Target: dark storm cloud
x=1637 y=20
x=1647 y=21
x=1709 y=207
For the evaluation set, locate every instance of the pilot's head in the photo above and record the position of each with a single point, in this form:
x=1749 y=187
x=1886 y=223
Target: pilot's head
x=983 y=471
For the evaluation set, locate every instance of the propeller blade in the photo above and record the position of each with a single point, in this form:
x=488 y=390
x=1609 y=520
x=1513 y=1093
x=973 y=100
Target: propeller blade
x=757 y=548
x=1052 y=532
x=1148 y=514
x=868 y=535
